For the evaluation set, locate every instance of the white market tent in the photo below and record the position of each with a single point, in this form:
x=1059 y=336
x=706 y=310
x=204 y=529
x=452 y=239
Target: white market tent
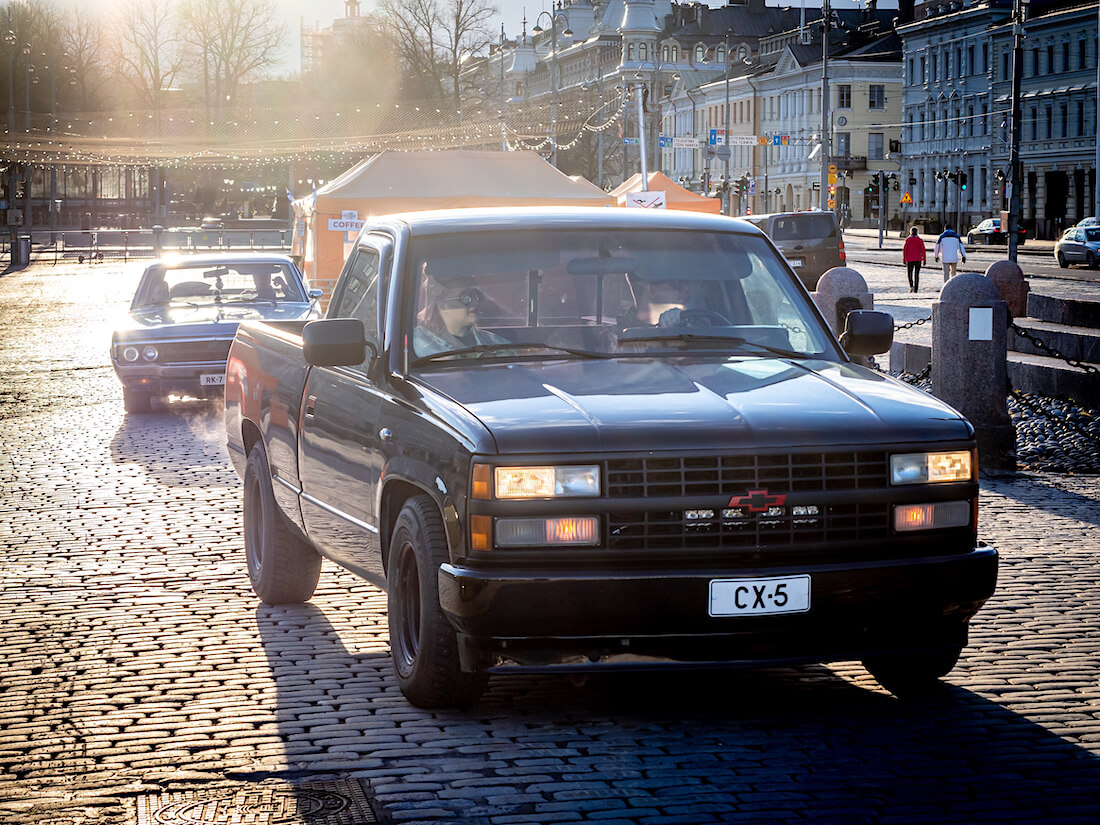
x=325 y=223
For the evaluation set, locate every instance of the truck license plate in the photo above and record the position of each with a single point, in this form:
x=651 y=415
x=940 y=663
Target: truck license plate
x=759 y=597
x=211 y=379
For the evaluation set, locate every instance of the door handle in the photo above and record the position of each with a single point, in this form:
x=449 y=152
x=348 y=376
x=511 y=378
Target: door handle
x=385 y=434
x=310 y=402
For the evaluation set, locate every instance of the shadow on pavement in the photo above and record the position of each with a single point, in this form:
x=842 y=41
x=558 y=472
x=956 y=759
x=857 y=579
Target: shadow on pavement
x=761 y=746
x=181 y=445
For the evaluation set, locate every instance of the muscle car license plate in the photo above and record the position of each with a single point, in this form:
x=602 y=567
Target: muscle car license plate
x=212 y=379
x=795 y=263
x=759 y=597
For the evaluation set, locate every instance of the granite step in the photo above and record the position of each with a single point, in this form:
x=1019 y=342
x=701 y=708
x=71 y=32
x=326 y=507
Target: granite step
x=1055 y=378
x=1074 y=311
x=1077 y=342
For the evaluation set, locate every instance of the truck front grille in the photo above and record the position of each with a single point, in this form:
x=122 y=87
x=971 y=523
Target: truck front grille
x=833 y=524
x=737 y=474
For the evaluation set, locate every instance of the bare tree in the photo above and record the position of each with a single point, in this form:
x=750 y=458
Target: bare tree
x=84 y=65
x=432 y=38
x=236 y=41
x=146 y=50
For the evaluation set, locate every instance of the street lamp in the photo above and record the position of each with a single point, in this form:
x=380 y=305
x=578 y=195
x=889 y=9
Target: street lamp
x=659 y=88
x=553 y=77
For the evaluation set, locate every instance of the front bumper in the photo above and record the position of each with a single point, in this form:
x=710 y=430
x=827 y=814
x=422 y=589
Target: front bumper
x=172 y=379
x=587 y=619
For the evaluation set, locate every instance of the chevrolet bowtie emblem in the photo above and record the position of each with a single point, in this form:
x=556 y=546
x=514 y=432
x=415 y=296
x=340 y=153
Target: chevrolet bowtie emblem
x=757 y=501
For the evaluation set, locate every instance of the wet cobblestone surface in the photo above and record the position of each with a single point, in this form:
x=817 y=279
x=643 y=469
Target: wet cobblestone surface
x=135 y=661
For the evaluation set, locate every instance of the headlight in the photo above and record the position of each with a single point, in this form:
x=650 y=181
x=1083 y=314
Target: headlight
x=130 y=354
x=536 y=482
x=149 y=353
x=930 y=468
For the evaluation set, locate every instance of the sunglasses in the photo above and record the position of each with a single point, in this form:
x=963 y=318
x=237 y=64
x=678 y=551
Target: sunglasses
x=468 y=298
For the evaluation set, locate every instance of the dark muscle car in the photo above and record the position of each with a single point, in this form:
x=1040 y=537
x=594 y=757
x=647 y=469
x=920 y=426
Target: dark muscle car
x=577 y=439
x=185 y=313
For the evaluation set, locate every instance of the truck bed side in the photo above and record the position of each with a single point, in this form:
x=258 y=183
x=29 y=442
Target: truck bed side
x=265 y=377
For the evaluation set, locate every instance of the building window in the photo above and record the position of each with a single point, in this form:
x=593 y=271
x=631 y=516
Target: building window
x=876 y=96
x=643 y=51
x=985 y=118
x=1050 y=59
x=970 y=121
x=935 y=67
x=629 y=51
x=1080 y=118
x=664 y=54
x=844 y=96
x=1064 y=111
x=1065 y=56
x=985 y=58
x=923 y=70
x=675 y=54
x=1034 y=123
x=970 y=60
x=1034 y=62
x=843 y=144
x=912 y=79
x=1005 y=58
x=699 y=54
x=1050 y=122
x=875 y=146
x=1082 y=53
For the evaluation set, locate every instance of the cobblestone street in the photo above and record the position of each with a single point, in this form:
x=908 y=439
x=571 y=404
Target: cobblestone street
x=141 y=681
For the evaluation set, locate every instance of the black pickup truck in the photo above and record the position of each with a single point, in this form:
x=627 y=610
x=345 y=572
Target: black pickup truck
x=579 y=439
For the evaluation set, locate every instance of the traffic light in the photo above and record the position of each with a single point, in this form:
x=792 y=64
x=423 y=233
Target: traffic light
x=962 y=180
x=832 y=190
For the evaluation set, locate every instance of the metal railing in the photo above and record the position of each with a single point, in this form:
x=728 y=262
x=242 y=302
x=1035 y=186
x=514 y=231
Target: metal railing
x=125 y=244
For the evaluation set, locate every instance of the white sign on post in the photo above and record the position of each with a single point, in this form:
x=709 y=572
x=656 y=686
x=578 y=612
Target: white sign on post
x=646 y=200
x=981 y=324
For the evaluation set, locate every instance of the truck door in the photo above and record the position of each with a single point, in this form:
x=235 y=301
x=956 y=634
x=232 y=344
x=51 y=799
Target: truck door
x=340 y=446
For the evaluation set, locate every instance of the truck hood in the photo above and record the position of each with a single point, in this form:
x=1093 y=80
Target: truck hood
x=686 y=404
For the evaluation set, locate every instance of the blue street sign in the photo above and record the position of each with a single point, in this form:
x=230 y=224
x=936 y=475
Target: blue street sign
x=664 y=141
x=630 y=141
x=752 y=187
x=3 y=204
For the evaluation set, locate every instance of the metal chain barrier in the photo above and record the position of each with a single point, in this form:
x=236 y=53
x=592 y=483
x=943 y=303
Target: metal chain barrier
x=1043 y=347
x=911 y=324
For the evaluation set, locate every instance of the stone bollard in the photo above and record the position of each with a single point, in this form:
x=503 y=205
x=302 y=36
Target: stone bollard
x=839 y=291
x=158 y=246
x=969 y=369
x=1011 y=285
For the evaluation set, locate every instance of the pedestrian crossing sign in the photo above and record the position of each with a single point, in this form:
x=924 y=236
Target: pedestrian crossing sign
x=906 y=198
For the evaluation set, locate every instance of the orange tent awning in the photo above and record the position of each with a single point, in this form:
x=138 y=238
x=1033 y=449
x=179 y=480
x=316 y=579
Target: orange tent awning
x=676 y=196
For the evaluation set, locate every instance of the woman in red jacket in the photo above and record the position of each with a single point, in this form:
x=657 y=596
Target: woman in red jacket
x=914 y=254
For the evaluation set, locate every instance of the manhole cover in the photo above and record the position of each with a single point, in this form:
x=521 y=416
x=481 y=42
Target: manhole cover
x=340 y=802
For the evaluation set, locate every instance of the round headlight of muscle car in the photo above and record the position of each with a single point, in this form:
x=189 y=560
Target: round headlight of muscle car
x=130 y=354
x=149 y=353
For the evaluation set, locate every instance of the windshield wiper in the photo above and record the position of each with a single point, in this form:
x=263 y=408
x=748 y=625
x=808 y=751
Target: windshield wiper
x=507 y=349
x=710 y=339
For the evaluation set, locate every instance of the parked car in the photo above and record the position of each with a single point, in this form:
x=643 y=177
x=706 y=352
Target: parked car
x=1091 y=221
x=212 y=224
x=1078 y=245
x=184 y=314
x=585 y=439
x=989 y=232
x=811 y=242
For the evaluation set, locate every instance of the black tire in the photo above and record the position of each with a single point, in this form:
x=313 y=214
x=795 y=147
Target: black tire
x=912 y=674
x=283 y=568
x=1090 y=260
x=1062 y=262
x=136 y=401
x=423 y=645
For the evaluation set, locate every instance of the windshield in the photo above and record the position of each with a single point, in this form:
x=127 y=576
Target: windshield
x=237 y=283
x=570 y=293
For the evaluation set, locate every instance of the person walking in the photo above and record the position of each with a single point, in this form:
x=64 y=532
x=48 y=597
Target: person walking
x=949 y=247
x=914 y=253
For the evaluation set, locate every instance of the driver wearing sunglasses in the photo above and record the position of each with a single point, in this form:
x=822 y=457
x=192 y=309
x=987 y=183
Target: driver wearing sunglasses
x=449 y=320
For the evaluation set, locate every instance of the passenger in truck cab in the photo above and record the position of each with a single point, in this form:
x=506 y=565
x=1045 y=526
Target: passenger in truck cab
x=663 y=302
x=448 y=320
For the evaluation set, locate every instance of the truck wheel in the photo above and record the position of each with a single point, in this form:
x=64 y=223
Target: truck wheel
x=422 y=642
x=283 y=568
x=912 y=674
x=136 y=401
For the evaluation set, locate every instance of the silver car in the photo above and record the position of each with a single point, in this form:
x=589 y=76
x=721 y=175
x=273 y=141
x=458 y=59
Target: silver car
x=1078 y=245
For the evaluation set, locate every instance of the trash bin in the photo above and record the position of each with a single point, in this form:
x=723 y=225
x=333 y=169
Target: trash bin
x=22 y=255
